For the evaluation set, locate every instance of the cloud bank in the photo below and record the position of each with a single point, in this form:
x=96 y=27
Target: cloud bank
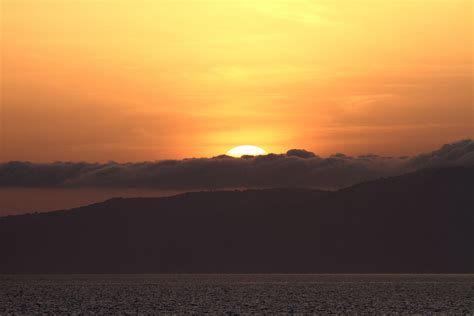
x=297 y=167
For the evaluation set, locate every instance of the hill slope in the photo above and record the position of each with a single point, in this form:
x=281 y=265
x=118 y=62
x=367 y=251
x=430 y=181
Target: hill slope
x=418 y=222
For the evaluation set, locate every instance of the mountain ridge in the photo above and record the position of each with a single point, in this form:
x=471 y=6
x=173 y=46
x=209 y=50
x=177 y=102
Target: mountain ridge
x=417 y=222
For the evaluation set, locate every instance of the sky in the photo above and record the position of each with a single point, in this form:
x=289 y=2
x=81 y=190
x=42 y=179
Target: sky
x=136 y=80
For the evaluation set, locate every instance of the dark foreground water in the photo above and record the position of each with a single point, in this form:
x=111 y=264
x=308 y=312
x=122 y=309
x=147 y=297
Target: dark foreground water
x=316 y=293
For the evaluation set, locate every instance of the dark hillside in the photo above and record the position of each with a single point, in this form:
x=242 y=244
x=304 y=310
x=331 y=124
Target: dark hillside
x=418 y=222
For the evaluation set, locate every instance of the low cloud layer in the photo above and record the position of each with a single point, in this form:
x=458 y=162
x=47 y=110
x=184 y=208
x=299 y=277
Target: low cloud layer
x=295 y=168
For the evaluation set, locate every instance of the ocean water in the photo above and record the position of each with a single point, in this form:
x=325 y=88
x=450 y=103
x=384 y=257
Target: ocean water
x=237 y=293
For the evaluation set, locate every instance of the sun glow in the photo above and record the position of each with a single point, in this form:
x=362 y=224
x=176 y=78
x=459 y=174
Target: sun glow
x=326 y=76
x=240 y=151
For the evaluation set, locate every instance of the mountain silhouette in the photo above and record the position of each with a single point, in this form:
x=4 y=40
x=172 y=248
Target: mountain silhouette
x=420 y=222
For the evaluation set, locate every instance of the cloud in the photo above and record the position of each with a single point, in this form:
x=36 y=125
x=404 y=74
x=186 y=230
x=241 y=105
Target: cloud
x=300 y=153
x=460 y=153
x=297 y=167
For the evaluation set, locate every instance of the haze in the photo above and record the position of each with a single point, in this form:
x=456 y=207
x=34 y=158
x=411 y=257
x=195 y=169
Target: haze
x=140 y=80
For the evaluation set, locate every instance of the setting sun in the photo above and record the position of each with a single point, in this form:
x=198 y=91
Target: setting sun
x=250 y=150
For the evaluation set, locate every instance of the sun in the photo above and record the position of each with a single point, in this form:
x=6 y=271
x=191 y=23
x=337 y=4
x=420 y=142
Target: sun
x=240 y=151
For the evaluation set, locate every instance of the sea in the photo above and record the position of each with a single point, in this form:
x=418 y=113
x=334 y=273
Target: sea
x=238 y=294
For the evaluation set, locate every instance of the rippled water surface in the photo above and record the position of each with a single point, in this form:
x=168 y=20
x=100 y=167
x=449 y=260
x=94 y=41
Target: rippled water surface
x=314 y=293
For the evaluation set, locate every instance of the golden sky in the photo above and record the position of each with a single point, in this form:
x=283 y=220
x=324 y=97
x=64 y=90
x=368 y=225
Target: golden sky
x=131 y=80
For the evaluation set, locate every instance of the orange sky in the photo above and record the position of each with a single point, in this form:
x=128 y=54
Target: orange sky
x=130 y=80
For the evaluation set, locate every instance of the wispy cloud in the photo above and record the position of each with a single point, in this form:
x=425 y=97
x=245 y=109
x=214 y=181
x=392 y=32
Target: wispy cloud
x=302 y=11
